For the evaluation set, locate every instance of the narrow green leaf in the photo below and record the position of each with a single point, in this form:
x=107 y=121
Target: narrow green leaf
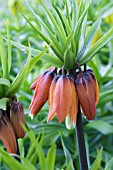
x=68 y=13
x=67 y=26
x=3 y=58
x=3 y=103
x=46 y=39
x=5 y=82
x=34 y=60
x=97 y=162
x=103 y=127
x=69 y=40
x=89 y=37
x=50 y=33
x=67 y=155
x=54 y=61
x=97 y=46
x=56 y=26
x=38 y=147
x=109 y=166
x=20 y=77
x=9 y=49
x=69 y=59
x=82 y=36
x=11 y=162
x=21 y=147
x=78 y=27
x=59 y=21
x=50 y=160
x=74 y=13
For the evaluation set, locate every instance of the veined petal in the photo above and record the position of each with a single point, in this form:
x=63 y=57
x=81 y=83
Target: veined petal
x=74 y=107
x=86 y=95
x=51 y=103
x=62 y=97
x=41 y=93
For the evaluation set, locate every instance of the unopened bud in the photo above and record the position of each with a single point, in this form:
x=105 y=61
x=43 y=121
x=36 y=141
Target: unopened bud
x=17 y=118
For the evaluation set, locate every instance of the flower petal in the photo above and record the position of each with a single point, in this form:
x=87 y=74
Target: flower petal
x=37 y=80
x=62 y=97
x=74 y=108
x=51 y=103
x=41 y=93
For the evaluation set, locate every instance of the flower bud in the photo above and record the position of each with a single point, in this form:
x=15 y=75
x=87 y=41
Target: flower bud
x=17 y=118
x=7 y=134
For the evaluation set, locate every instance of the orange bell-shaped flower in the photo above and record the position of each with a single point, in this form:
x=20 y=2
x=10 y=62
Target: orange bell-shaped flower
x=86 y=95
x=63 y=100
x=41 y=92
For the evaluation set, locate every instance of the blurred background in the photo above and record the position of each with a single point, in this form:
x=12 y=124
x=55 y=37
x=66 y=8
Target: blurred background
x=99 y=133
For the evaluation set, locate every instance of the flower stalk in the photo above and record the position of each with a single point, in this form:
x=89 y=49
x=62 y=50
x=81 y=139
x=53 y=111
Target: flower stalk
x=81 y=141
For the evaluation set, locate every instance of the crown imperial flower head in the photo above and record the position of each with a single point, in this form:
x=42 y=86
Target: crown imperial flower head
x=64 y=90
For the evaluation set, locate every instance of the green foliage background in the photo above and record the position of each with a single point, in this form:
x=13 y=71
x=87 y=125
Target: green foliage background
x=49 y=146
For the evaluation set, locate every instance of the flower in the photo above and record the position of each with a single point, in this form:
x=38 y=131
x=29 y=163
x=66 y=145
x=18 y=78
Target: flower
x=63 y=100
x=86 y=94
x=17 y=118
x=7 y=134
x=41 y=92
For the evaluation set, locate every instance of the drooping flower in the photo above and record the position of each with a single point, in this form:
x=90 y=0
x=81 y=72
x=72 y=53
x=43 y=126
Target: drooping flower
x=17 y=118
x=7 y=134
x=41 y=92
x=86 y=95
x=63 y=100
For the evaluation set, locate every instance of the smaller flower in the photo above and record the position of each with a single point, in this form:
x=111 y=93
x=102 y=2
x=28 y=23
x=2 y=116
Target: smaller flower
x=86 y=94
x=41 y=92
x=7 y=134
x=17 y=118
